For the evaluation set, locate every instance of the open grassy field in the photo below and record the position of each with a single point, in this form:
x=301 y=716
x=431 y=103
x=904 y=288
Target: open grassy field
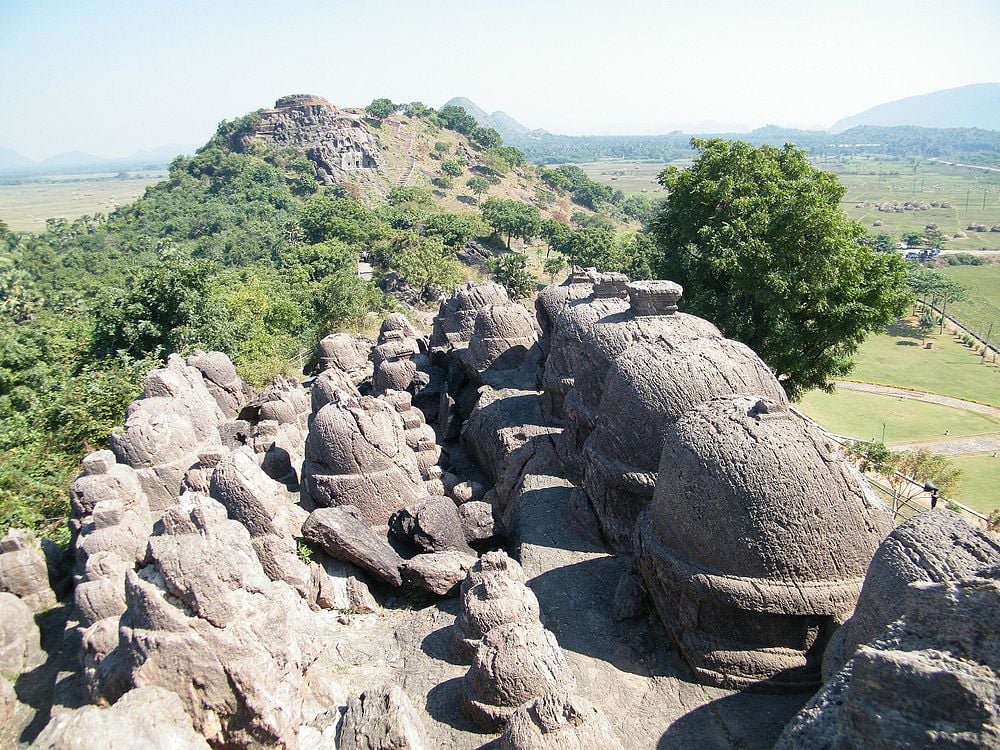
x=628 y=176
x=973 y=193
x=26 y=206
x=950 y=368
x=862 y=415
x=983 y=306
x=980 y=485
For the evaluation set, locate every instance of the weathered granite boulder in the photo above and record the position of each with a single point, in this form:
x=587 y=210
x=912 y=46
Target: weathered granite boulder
x=198 y=478
x=934 y=547
x=336 y=142
x=348 y=354
x=147 y=718
x=558 y=721
x=222 y=381
x=284 y=401
x=393 y=355
x=563 y=343
x=552 y=300
x=342 y=533
x=651 y=316
x=480 y=524
x=756 y=542
x=204 y=621
x=502 y=337
x=494 y=564
x=438 y=573
x=20 y=641
x=254 y=499
x=182 y=389
x=381 y=719
x=496 y=600
x=356 y=454
x=23 y=571
x=419 y=435
x=432 y=525
x=332 y=385
x=338 y=585
x=648 y=387
x=456 y=319
x=931 y=679
x=514 y=664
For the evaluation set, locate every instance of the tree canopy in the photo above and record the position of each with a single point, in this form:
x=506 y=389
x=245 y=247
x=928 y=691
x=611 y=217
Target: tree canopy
x=512 y=218
x=758 y=239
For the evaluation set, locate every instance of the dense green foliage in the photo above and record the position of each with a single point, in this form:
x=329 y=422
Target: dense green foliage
x=512 y=218
x=980 y=146
x=758 y=240
x=240 y=252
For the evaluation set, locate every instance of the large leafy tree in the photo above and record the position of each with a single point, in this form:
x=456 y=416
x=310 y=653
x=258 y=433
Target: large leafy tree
x=512 y=218
x=758 y=239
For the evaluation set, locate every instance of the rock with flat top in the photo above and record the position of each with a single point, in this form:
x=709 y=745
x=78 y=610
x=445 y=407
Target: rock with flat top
x=438 y=573
x=345 y=536
x=432 y=525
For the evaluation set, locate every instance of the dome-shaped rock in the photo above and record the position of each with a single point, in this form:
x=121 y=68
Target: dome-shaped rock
x=496 y=600
x=756 y=542
x=558 y=721
x=456 y=318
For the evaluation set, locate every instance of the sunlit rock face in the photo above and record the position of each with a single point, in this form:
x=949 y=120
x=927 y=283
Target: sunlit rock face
x=932 y=547
x=456 y=318
x=336 y=142
x=650 y=314
x=756 y=542
x=646 y=390
x=356 y=454
x=931 y=678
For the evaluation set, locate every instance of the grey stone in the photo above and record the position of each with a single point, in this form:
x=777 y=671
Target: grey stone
x=222 y=381
x=558 y=721
x=456 y=319
x=935 y=546
x=432 y=525
x=438 y=573
x=346 y=537
x=496 y=600
x=381 y=719
x=479 y=523
x=23 y=571
x=332 y=385
x=756 y=542
x=514 y=664
x=349 y=355
x=20 y=640
x=147 y=718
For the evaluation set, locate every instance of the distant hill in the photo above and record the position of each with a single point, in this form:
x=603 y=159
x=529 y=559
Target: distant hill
x=973 y=106
x=504 y=124
x=10 y=159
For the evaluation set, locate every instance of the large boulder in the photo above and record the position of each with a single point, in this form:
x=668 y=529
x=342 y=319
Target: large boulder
x=501 y=339
x=147 y=718
x=381 y=719
x=756 y=542
x=356 y=454
x=456 y=318
x=20 y=640
x=495 y=600
x=933 y=547
x=648 y=387
x=592 y=347
x=341 y=533
x=930 y=679
x=558 y=721
x=345 y=353
x=222 y=381
x=23 y=571
x=432 y=525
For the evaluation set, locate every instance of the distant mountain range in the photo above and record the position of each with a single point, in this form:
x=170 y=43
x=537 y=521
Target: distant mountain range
x=13 y=163
x=504 y=124
x=973 y=106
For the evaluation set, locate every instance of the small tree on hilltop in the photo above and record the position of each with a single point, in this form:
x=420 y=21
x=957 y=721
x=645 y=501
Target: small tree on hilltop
x=511 y=272
x=758 y=240
x=379 y=109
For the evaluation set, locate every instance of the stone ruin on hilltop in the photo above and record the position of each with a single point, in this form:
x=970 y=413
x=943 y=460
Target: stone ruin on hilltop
x=600 y=525
x=335 y=141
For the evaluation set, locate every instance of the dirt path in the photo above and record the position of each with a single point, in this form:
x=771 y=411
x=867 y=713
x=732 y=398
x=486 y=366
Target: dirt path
x=931 y=398
x=959 y=446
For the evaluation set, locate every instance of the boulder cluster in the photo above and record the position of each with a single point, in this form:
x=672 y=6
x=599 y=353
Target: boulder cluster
x=333 y=562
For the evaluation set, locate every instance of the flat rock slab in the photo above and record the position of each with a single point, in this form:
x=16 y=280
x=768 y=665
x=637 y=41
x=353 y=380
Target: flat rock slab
x=346 y=537
x=630 y=670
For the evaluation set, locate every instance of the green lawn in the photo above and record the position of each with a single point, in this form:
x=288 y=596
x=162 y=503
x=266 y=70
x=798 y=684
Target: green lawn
x=861 y=416
x=950 y=369
x=980 y=487
x=983 y=306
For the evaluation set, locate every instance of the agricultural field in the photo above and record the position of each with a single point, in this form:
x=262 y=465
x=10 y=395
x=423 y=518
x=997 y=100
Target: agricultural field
x=974 y=195
x=25 y=206
x=628 y=176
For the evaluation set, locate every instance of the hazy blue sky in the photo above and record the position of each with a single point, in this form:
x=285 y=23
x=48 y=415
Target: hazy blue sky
x=114 y=77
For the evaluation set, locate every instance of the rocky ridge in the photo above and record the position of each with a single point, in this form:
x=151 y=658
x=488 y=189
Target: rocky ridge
x=595 y=526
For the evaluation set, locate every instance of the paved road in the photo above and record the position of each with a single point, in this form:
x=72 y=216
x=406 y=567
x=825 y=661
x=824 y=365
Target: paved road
x=931 y=398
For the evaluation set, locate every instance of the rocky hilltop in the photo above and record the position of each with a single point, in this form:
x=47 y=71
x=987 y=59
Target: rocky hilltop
x=335 y=141
x=594 y=525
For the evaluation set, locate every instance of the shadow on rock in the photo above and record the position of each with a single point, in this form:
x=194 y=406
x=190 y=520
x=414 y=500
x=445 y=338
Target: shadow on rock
x=749 y=720
x=444 y=704
x=437 y=645
x=35 y=688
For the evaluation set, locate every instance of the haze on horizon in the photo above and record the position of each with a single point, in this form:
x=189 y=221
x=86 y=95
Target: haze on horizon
x=112 y=78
